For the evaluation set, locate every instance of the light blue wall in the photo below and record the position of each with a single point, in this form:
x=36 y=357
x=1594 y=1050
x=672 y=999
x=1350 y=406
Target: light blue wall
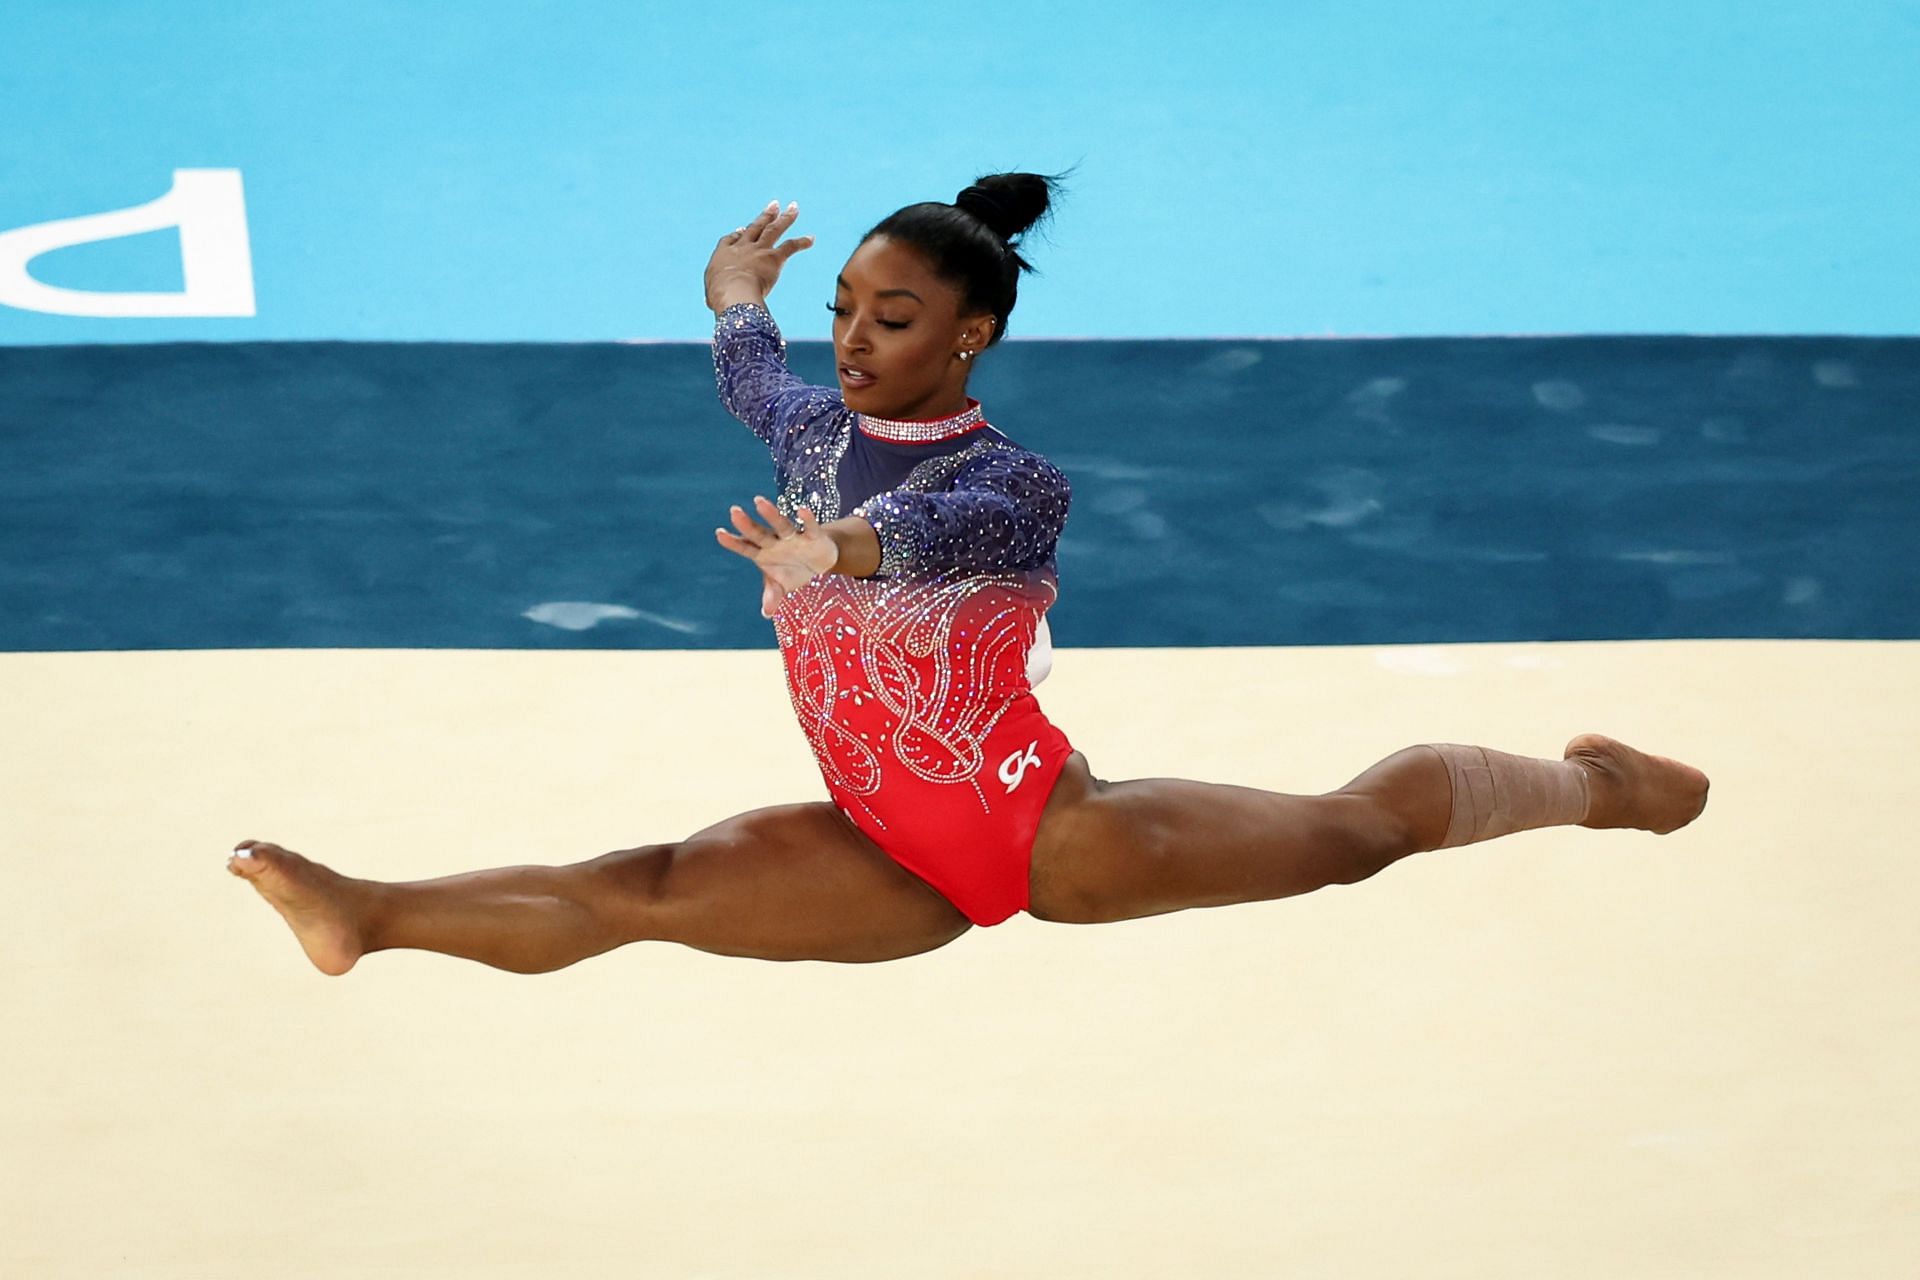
x=486 y=170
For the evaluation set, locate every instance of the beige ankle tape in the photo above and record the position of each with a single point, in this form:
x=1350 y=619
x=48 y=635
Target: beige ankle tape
x=1495 y=794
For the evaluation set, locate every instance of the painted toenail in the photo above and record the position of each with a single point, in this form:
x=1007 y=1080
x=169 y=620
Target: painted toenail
x=243 y=853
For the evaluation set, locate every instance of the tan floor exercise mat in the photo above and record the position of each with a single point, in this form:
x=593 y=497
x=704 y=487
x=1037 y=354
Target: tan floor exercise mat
x=1564 y=1054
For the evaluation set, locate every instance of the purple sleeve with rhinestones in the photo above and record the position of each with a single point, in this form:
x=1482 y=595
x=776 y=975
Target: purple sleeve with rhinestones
x=750 y=370
x=1002 y=512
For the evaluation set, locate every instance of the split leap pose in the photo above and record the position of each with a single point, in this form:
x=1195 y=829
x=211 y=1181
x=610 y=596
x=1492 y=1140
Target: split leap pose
x=907 y=566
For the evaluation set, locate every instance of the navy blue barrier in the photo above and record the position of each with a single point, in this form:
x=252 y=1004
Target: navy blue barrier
x=373 y=495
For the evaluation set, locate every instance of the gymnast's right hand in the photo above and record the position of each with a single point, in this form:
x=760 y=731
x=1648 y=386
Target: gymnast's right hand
x=746 y=263
x=789 y=554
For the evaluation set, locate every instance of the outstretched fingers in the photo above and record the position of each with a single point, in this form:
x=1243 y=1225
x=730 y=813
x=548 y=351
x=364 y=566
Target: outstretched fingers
x=790 y=552
x=772 y=223
x=751 y=231
x=751 y=535
x=768 y=225
x=775 y=518
x=736 y=544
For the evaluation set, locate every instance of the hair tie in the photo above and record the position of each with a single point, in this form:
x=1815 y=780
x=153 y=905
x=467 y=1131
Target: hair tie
x=987 y=207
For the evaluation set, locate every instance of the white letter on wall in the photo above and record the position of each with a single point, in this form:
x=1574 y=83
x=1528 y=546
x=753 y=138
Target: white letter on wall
x=216 y=260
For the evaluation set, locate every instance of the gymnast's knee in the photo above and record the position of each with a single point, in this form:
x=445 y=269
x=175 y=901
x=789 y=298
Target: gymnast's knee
x=630 y=883
x=1369 y=833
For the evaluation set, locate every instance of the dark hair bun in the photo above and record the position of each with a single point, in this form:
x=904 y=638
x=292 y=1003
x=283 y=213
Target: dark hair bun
x=970 y=242
x=1008 y=203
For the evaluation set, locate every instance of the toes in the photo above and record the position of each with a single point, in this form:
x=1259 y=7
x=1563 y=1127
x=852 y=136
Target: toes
x=249 y=857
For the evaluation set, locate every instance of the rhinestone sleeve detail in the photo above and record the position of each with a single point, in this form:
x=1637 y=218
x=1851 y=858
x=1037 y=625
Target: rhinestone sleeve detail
x=1000 y=509
x=756 y=386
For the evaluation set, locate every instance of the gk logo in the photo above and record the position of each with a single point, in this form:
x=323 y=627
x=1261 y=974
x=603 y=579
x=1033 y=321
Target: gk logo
x=1013 y=770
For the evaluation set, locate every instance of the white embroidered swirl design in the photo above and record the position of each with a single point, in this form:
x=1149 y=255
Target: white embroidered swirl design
x=891 y=674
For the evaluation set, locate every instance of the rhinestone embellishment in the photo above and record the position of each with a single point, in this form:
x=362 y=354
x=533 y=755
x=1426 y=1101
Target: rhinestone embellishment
x=924 y=431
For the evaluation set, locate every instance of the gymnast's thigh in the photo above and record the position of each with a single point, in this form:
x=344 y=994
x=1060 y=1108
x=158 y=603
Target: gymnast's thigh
x=1110 y=851
x=795 y=882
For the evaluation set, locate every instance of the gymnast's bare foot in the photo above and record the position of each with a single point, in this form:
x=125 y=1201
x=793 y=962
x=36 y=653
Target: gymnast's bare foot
x=316 y=902
x=1629 y=788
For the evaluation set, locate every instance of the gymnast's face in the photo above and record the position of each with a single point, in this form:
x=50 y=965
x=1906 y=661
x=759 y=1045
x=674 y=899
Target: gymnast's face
x=899 y=325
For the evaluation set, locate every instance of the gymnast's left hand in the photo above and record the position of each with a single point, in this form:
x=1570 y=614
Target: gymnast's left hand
x=788 y=555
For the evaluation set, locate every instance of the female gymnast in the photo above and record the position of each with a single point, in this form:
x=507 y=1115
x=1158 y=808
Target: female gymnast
x=906 y=566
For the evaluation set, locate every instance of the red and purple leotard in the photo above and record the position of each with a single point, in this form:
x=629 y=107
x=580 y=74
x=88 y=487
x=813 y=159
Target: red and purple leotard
x=912 y=685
